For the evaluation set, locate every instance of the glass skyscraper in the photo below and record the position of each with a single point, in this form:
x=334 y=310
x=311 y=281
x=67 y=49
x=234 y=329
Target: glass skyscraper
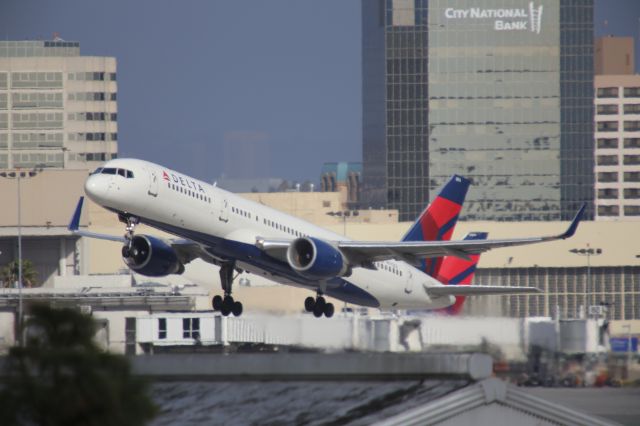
x=499 y=92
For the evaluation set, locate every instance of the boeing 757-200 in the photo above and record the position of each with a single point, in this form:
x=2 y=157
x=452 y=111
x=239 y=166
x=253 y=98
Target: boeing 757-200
x=236 y=234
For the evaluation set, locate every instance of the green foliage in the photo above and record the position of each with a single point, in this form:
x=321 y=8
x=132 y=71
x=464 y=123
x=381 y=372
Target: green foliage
x=9 y=274
x=61 y=377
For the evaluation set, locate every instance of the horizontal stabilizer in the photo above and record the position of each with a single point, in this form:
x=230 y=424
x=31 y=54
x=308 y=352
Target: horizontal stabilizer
x=476 y=290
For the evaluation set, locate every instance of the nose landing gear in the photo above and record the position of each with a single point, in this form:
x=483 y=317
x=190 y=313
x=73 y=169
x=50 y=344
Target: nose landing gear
x=131 y=222
x=319 y=306
x=226 y=305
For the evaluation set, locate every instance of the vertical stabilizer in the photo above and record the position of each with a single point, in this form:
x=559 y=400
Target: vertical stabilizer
x=438 y=220
x=456 y=271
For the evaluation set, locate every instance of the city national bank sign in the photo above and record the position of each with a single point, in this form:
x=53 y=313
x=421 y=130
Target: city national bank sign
x=523 y=19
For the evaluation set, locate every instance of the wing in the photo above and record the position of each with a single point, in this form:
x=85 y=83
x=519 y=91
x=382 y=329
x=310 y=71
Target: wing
x=414 y=251
x=186 y=250
x=476 y=290
x=364 y=253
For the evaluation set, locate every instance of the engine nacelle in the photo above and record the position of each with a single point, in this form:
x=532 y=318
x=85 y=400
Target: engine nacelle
x=317 y=259
x=151 y=256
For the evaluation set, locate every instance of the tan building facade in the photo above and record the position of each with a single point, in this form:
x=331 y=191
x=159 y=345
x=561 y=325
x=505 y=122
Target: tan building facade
x=617 y=141
x=614 y=55
x=57 y=109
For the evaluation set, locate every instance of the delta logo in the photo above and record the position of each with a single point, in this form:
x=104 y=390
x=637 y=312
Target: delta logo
x=182 y=181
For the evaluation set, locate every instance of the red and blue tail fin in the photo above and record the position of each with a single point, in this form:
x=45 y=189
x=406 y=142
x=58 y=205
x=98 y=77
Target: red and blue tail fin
x=456 y=271
x=438 y=220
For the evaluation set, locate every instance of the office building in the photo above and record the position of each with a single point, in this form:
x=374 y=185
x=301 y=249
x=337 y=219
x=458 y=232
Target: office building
x=617 y=151
x=57 y=108
x=502 y=94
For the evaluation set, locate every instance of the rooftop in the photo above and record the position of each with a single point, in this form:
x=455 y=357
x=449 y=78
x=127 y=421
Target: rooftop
x=30 y=48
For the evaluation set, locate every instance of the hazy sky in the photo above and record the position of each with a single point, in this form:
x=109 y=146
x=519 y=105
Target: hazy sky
x=190 y=71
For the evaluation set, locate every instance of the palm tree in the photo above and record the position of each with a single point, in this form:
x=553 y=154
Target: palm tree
x=9 y=274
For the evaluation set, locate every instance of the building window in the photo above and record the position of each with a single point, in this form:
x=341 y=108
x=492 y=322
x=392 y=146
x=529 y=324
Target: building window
x=608 y=109
x=632 y=176
x=632 y=109
x=632 y=126
x=607 y=126
x=607 y=143
x=162 y=328
x=37 y=120
x=36 y=80
x=632 y=210
x=632 y=92
x=607 y=160
x=631 y=160
x=608 y=211
x=607 y=193
x=632 y=193
x=632 y=142
x=607 y=177
x=607 y=92
x=36 y=100
x=191 y=328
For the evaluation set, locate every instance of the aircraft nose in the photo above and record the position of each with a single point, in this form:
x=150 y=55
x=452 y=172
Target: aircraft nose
x=96 y=188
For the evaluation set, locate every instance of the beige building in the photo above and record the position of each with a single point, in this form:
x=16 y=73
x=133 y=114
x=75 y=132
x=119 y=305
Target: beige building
x=57 y=108
x=614 y=55
x=613 y=276
x=617 y=137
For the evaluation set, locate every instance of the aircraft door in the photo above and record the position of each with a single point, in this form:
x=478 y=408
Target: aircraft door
x=153 y=183
x=408 y=284
x=224 y=211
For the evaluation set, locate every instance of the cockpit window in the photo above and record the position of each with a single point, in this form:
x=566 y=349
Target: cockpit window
x=97 y=171
x=113 y=171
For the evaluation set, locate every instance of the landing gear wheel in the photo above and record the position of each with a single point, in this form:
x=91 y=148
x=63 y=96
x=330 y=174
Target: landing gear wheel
x=216 y=302
x=227 y=304
x=318 y=309
x=225 y=310
x=237 y=309
x=309 y=304
x=329 y=310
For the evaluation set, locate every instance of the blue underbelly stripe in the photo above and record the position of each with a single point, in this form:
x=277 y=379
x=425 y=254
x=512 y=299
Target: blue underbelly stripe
x=337 y=287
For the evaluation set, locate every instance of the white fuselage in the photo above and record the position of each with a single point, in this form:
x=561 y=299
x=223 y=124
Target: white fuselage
x=227 y=227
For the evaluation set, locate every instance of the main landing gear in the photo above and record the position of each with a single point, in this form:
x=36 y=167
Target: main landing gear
x=319 y=306
x=226 y=305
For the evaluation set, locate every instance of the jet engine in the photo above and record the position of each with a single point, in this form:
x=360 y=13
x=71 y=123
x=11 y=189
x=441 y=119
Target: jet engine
x=151 y=256
x=316 y=259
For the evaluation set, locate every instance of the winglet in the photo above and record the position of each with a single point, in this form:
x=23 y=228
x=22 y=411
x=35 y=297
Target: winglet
x=75 y=219
x=574 y=223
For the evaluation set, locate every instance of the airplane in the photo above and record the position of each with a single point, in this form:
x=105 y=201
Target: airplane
x=236 y=234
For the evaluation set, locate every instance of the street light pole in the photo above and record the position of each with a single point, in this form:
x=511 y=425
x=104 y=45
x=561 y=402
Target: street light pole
x=589 y=290
x=344 y=214
x=19 y=174
x=19 y=262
